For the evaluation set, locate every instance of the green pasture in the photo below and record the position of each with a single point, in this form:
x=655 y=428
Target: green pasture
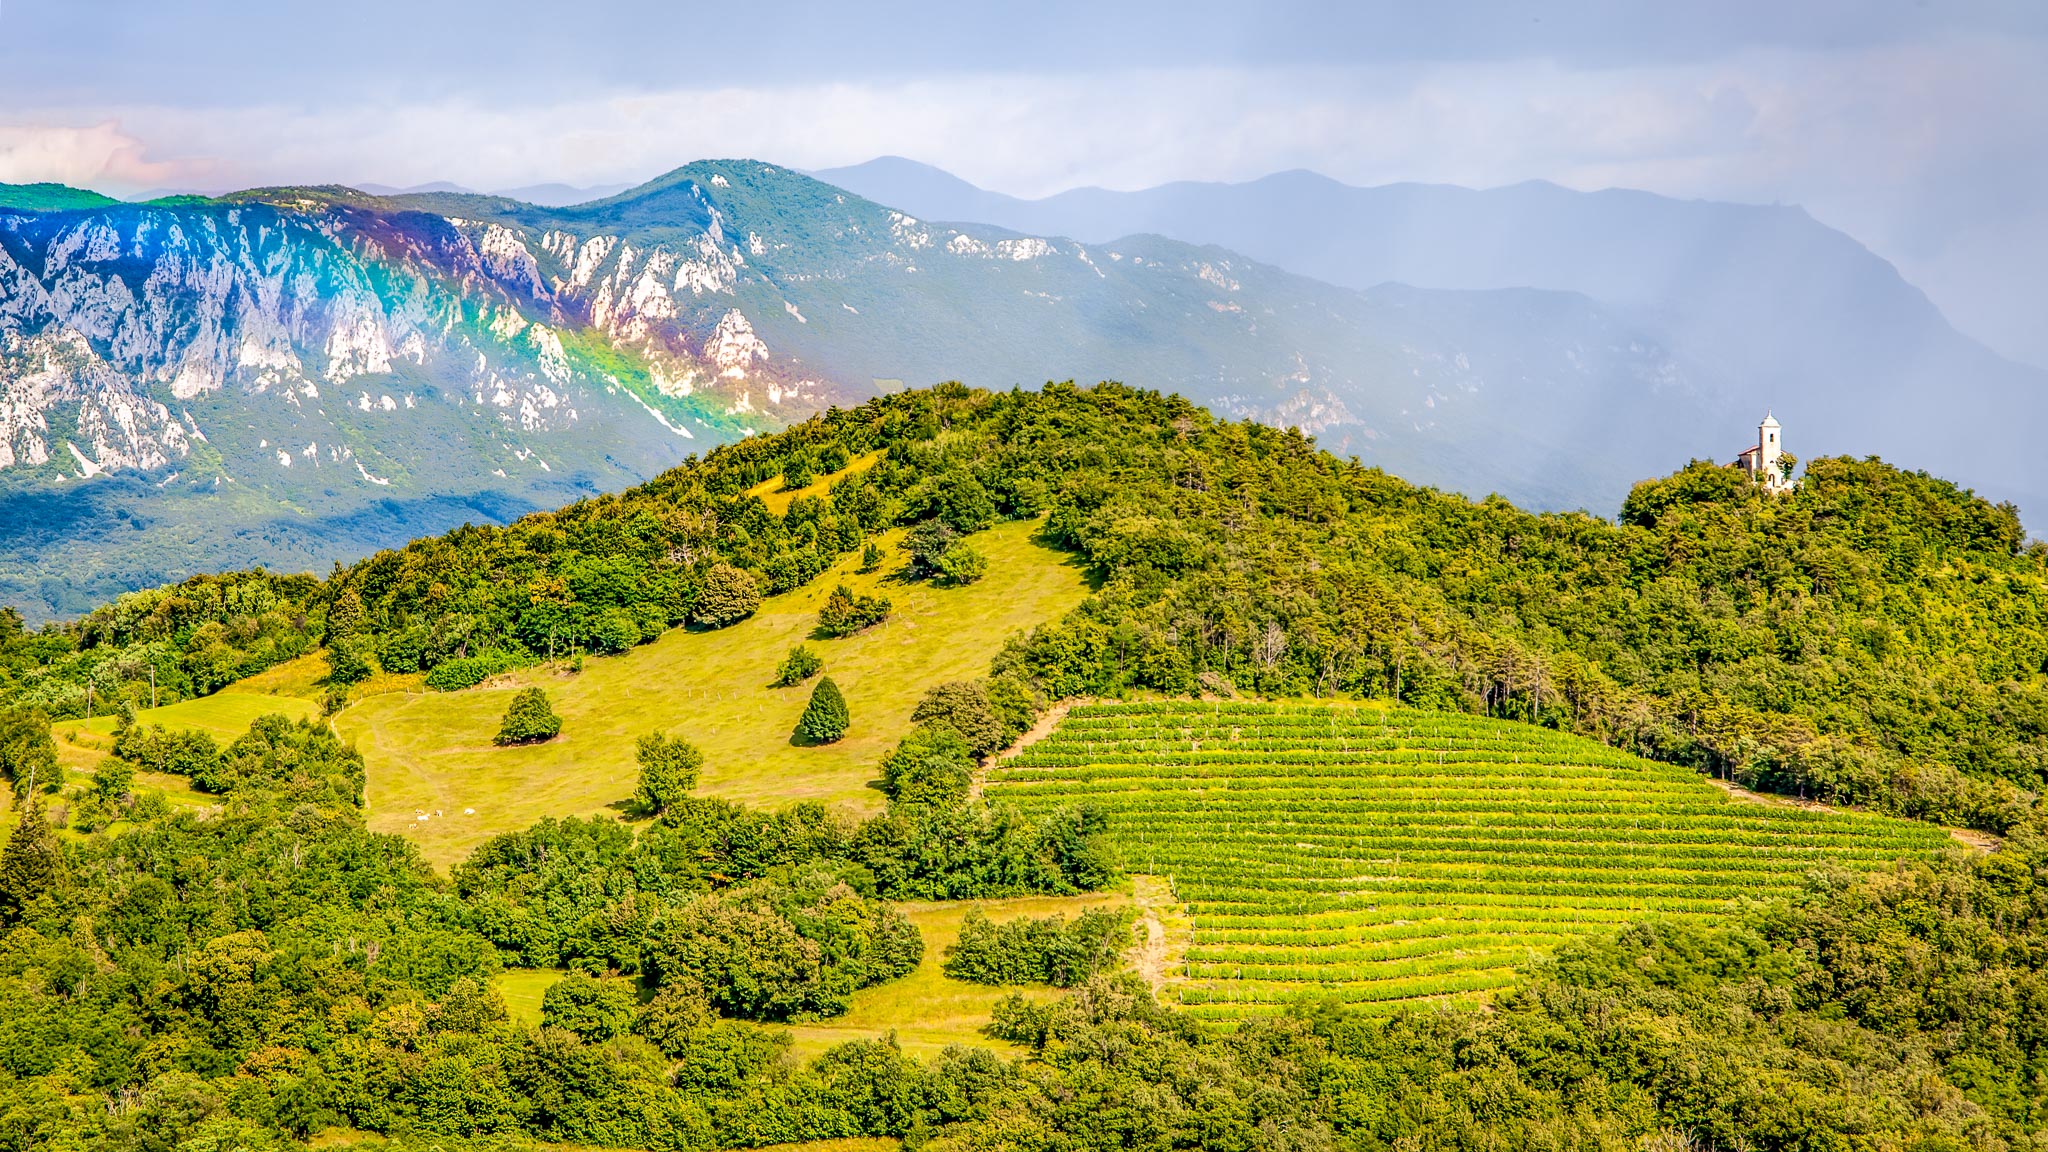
x=435 y=776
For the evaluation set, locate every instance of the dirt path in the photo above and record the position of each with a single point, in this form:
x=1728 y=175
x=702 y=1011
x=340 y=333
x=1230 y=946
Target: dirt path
x=1168 y=930
x=1982 y=841
x=1039 y=731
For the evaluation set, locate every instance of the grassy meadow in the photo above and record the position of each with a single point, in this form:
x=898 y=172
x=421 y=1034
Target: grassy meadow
x=926 y=1010
x=430 y=753
x=82 y=744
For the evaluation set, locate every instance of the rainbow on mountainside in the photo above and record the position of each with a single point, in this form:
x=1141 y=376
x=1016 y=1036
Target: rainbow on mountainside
x=1381 y=856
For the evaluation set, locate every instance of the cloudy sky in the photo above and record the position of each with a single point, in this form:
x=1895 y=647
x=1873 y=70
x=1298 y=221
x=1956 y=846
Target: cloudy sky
x=1920 y=128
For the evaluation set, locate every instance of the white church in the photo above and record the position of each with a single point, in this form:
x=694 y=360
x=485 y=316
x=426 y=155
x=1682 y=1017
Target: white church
x=1763 y=462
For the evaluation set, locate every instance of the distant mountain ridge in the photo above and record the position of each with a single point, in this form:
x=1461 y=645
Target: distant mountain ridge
x=298 y=376
x=1776 y=309
x=295 y=376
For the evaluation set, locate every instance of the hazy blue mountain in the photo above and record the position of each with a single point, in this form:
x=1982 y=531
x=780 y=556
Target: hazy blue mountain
x=1770 y=307
x=561 y=195
x=430 y=186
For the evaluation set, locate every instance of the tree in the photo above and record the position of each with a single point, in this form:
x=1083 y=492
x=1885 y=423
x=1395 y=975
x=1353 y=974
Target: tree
x=925 y=544
x=594 y=1009
x=113 y=778
x=963 y=706
x=530 y=719
x=961 y=564
x=871 y=557
x=346 y=663
x=825 y=719
x=26 y=749
x=846 y=612
x=30 y=865
x=800 y=665
x=614 y=630
x=345 y=615
x=726 y=595
x=932 y=765
x=669 y=766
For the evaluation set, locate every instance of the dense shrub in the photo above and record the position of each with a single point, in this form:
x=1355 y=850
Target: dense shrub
x=1038 y=951
x=529 y=719
x=961 y=564
x=932 y=765
x=800 y=665
x=469 y=671
x=846 y=612
x=964 y=706
x=775 y=951
x=593 y=1008
x=726 y=595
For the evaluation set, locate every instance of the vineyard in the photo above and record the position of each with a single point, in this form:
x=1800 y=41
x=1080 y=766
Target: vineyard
x=1380 y=855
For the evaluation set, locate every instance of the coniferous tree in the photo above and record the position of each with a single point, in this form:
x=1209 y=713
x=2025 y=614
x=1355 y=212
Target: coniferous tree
x=530 y=719
x=826 y=718
x=26 y=749
x=29 y=866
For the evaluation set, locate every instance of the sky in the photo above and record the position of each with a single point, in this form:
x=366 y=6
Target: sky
x=1919 y=128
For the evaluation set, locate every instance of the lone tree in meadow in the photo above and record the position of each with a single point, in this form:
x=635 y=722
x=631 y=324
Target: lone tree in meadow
x=800 y=665
x=727 y=595
x=961 y=564
x=846 y=612
x=530 y=719
x=668 y=770
x=825 y=719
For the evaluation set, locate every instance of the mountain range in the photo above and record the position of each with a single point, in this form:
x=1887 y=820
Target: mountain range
x=298 y=376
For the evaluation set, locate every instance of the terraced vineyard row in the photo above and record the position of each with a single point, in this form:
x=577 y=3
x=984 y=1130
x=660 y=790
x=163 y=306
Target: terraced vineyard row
x=1380 y=855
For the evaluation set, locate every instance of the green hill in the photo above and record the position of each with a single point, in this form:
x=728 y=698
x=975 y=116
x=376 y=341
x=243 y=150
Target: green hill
x=1525 y=819
x=51 y=198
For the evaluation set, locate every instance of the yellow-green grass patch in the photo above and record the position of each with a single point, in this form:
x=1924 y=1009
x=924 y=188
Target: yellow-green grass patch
x=778 y=498
x=928 y=1010
x=430 y=753
x=225 y=716
x=522 y=989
